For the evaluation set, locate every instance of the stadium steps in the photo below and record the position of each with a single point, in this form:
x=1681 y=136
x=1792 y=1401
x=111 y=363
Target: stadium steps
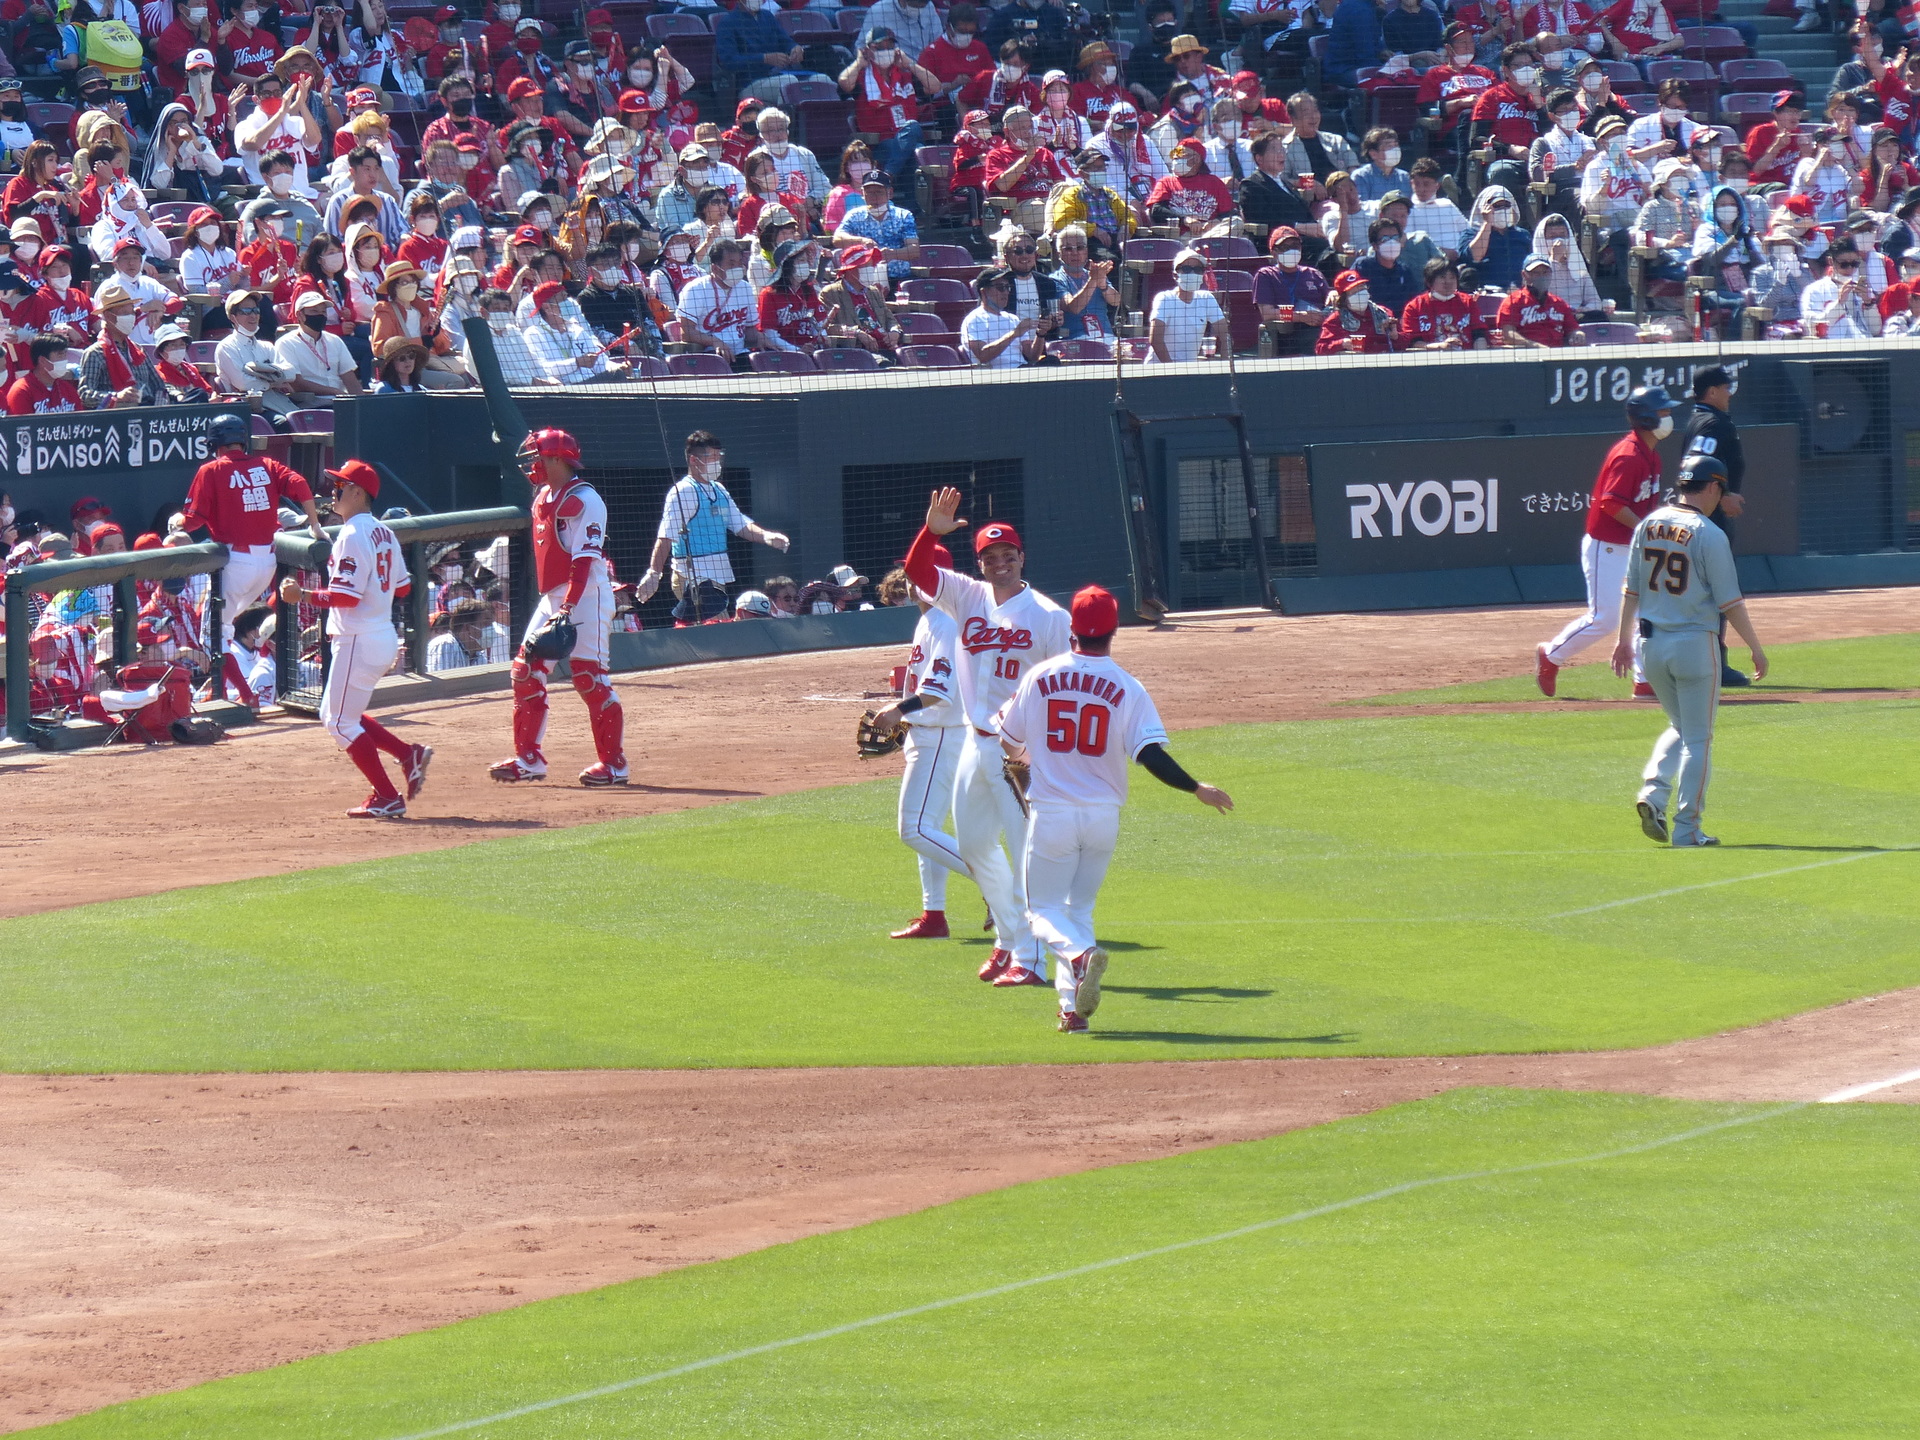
x=1811 y=57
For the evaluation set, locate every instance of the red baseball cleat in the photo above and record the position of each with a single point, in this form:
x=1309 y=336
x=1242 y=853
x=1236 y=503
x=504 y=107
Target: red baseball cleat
x=417 y=764
x=932 y=925
x=1014 y=976
x=379 y=808
x=996 y=965
x=1643 y=691
x=1546 y=674
x=1072 y=1022
x=513 y=768
x=599 y=775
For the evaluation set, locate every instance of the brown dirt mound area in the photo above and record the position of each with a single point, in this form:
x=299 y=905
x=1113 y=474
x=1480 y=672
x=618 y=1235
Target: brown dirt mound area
x=168 y=1230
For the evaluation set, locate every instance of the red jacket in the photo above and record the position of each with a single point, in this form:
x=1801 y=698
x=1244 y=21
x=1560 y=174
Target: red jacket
x=1507 y=115
x=1443 y=82
x=1043 y=172
x=237 y=496
x=1370 y=338
x=1630 y=477
x=1547 y=320
x=1427 y=318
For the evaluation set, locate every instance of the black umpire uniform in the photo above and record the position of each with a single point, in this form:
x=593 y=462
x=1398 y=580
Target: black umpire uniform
x=1711 y=431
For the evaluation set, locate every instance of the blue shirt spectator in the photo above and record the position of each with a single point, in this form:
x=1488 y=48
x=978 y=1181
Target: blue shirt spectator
x=889 y=227
x=1354 y=40
x=1388 y=285
x=742 y=38
x=1410 y=27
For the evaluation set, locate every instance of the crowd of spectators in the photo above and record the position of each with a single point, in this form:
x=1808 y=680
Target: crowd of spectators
x=253 y=198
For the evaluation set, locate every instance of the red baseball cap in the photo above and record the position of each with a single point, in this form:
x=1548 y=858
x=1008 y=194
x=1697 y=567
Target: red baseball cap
x=997 y=533
x=445 y=15
x=599 y=22
x=1794 y=98
x=359 y=472
x=635 y=102
x=1801 y=205
x=149 y=541
x=524 y=89
x=528 y=235
x=547 y=293
x=1095 y=613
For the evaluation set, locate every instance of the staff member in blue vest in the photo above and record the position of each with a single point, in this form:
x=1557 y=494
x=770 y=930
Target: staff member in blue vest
x=694 y=525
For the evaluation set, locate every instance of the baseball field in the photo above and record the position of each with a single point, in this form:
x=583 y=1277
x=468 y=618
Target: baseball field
x=1427 y=1098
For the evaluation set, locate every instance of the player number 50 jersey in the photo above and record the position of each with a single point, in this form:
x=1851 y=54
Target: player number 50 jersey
x=367 y=564
x=1083 y=720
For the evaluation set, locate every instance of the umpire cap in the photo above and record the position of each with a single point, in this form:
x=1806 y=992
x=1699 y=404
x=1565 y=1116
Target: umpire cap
x=1645 y=404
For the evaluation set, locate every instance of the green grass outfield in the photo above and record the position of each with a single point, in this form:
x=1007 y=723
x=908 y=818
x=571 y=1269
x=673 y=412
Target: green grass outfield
x=1388 y=886
x=1879 y=662
x=1743 y=1279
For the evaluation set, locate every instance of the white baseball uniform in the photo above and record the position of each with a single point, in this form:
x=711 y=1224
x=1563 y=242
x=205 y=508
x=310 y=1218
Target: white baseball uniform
x=936 y=734
x=366 y=563
x=998 y=643
x=1083 y=721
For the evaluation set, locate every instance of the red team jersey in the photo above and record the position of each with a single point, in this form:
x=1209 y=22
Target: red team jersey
x=1443 y=83
x=1630 y=477
x=27 y=396
x=1548 y=320
x=1510 y=114
x=799 y=317
x=1427 y=318
x=236 y=497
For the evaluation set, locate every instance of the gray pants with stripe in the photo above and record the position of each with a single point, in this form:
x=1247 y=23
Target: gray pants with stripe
x=1683 y=666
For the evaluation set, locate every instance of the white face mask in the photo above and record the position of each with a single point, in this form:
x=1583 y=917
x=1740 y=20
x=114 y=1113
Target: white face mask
x=1011 y=72
x=873 y=274
x=885 y=58
x=1592 y=80
x=610 y=277
x=1526 y=75
x=678 y=254
x=250 y=18
x=1672 y=114
x=62 y=283
x=1108 y=73
x=1555 y=61
x=280 y=184
x=750 y=6
x=333 y=264
x=1616 y=149
x=26 y=249
x=208 y=234
x=370 y=259
x=508 y=12
x=465 y=284
x=542 y=219
x=1664 y=428
x=1388 y=249
x=706 y=468
x=1289 y=259
x=696 y=179
x=1358 y=300
x=734 y=274
x=125 y=323
x=1228 y=129
x=779 y=148
x=61 y=370
x=499 y=321
x=803 y=271
x=1182 y=165
x=632 y=249
x=640 y=79
x=1726 y=215
x=1786 y=260
x=1390 y=157
x=1567 y=120
x=1502 y=219
x=196 y=15
x=1189 y=280
x=173 y=354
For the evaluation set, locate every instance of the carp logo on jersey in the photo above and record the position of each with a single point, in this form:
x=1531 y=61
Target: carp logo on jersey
x=941 y=666
x=978 y=637
x=345 y=565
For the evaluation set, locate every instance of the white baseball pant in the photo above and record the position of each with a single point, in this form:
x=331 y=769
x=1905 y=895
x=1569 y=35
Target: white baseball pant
x=926 y=799
x=243 y=580
x=1068 y=850
x=357 y=665
x=1683 y=666
x=984 y=809
x=1605 y=566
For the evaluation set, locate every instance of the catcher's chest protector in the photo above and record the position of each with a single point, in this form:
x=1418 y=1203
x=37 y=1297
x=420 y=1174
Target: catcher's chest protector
x=551 y=562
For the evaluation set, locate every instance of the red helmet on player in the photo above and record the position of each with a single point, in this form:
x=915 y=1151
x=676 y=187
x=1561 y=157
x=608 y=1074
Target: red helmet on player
x=548 y=445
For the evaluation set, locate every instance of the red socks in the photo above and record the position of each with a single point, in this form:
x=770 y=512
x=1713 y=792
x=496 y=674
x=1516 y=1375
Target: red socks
x=365 y=752
x=386 y=739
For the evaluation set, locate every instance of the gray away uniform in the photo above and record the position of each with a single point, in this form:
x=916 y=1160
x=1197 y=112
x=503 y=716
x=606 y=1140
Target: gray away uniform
x=1682 y=573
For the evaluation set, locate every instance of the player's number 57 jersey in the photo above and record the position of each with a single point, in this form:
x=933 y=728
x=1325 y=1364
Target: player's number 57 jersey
x=367 y=564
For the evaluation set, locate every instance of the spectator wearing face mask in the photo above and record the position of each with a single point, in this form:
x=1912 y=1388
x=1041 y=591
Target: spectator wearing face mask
x=1825 y=179
x=1440 y=317
x=517 y=364
x=110 y=365
x=1190 y=197
x=885 y=85
x=318 y=360
x=992 y=333
x=1181 y=318
x=1669 y=131
x=802 y=183
x=1229 y=154
x=1506 y=119
x=299 y=221
x=48 y=387
x=1560 y=157
x=717 y=311
x=1533 y=317
x=1496 y=245
x=1291 y=294
x=677 y=267
x=1613 y=188
x=1452 y=88
x=1086 y=201
x=66 y=307
x=1726 y=249
x=1839 y=305
x=792 y=316
x=268 y=262
x=1185 y=118
x=1667 y=222
x=1021 y=169
x=1390 y=285
x=1639 y=31
x=856 y=303
x=1355 y=325
x=167 y=378
x=1382 y=171
x=611 y=304
x=208 y=266
x=1006 y=85
x=1553 y=237
x=882 y=224
x=1060 y=127
x=1134 y=166
x=1099 y=89
x=1593 y=91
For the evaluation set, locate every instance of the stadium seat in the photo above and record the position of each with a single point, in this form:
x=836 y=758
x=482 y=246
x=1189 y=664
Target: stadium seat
x=1081 y=352
x=847 y=357
x=938 y=200
x=271 y=442
x=1234 y=290
x=1135 y=347
x=951 y=299
x=1748 y=74
x=311 y=422
x=1703 y=82
x=700 y=362
x=782 y=361
x=1624 y=77
x=822 y=117
x=933 y=357
x=798 y=23
x=1489 y=307
x=1231 y=252
x=926 y=329
x=1147 y=270
x=852 y=17
x=52 y=120
x=1609 y=332
x=652 y=367
x=1714 y=44
x=172 y=214
x=1745 y=111
x=949 y=262
x=690 y=41
x=1645 y=103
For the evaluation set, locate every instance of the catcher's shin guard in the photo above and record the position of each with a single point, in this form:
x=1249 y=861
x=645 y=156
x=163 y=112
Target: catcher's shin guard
x=603 y=712
x=530 y=709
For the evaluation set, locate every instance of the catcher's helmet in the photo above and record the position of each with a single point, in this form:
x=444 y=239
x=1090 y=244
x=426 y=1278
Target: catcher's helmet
x=1645 y=404
x=1699 y=471
x=552 y=641
x=548 y=444
x=227 y=428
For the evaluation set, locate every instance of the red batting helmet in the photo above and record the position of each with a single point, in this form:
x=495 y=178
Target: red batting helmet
x=548 y=444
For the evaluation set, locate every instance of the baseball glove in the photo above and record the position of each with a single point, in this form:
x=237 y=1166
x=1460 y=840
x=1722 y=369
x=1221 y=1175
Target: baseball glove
x=552 y=641
x=1019 y=775
x=870 y=741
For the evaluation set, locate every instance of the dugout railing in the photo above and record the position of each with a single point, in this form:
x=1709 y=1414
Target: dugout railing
x=300 y=672
x=121 y=572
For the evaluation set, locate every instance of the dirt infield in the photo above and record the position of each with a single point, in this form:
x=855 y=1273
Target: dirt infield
x=167 y=1230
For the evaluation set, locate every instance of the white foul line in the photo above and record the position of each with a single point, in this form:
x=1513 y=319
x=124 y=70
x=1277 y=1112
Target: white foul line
x=1729 y=880
x=600 y=1392
x=1854 y=1092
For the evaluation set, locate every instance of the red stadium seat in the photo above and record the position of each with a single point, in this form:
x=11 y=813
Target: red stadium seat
x=1743 y=112
x=1703 y=82
x=949 y=262
x=1231 y=252
x=1624 y=77
x=847 y=357
x=698 y=362
x=1234 y=290
x=932 y=357
x=852 y=17
x=652 y=367
x=951 y=299
x=805 y=22
x=1715 y=44
x=690 y=42
x=782 y=361
x=1747 y=74
x=1610 y=332
x=1081 y=352
x=822 y=117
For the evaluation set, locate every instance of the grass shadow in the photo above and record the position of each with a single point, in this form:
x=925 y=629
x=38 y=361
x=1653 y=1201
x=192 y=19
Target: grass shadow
x=1186 y=992
x=639 y=788
x=1830 y=849
x=1196 y=1037
x=467 y=822
x=1118 y=947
